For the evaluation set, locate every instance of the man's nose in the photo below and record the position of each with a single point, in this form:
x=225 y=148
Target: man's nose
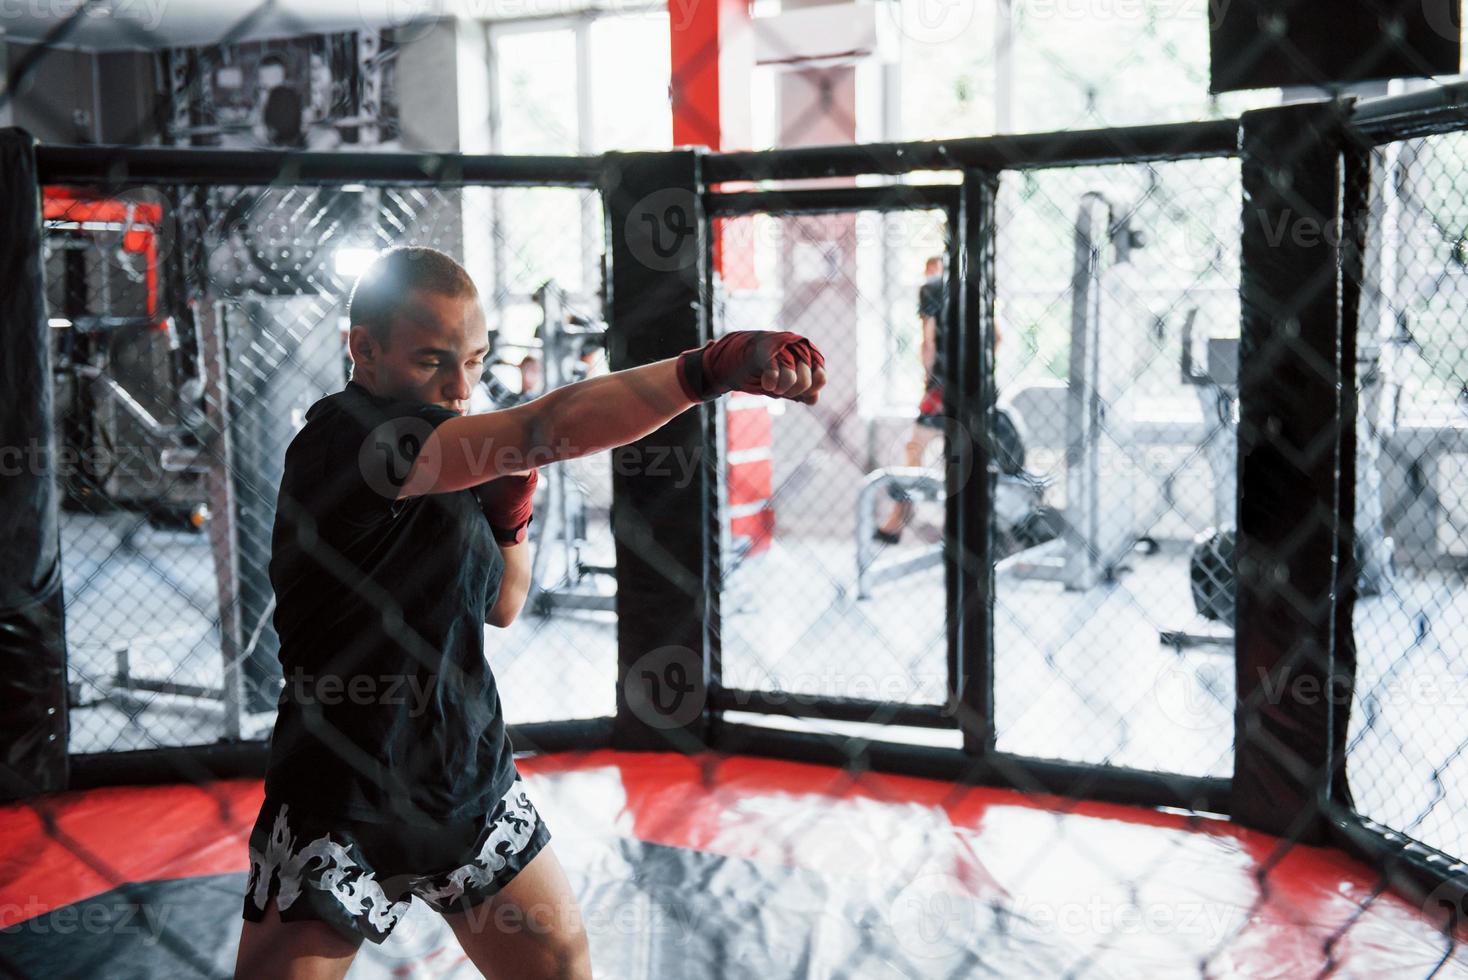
x=460 y=385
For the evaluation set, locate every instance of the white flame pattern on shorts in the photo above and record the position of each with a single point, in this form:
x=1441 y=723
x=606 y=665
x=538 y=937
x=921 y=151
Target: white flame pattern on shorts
x=357 y=889
x=514 y=827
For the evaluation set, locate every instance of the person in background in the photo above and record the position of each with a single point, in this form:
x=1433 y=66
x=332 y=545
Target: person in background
x=279 y=115
x=933 y=314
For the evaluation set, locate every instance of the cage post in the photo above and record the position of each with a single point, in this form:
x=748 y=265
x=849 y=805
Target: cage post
x=1293 y=668
x=969 y=571
x=223 y=532
x=666 y=534
x=32 y=621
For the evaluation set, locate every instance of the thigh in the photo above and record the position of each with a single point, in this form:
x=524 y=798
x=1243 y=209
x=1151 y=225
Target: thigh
x=927 y=429
x=337 y=874
x=293 y=950
x=530 y=929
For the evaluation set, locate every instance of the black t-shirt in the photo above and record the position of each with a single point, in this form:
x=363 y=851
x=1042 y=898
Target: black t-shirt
x=389 y=709
x=933 y=302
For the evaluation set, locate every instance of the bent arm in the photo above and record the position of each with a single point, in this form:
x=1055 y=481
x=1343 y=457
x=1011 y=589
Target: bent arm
x=572 y=421
x=930 y=343
x=514 y=585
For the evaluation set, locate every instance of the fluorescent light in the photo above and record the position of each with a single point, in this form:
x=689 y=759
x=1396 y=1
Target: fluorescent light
x=353 y=261
x=59 y=322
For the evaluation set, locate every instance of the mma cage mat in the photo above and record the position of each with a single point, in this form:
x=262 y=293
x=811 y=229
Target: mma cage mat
x=1296 y=453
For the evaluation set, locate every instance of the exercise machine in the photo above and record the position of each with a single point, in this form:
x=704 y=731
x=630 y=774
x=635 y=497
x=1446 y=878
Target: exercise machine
x=1021 y=517
x=1090 y=541
x=564 y=339
x=1211 y=572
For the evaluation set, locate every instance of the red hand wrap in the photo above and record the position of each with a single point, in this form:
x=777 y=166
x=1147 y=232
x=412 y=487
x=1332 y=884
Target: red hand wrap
x=737 y=360
x=505 y=501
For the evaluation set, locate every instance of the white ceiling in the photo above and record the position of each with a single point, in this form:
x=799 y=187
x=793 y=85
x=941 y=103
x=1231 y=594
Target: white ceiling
x=114 y=24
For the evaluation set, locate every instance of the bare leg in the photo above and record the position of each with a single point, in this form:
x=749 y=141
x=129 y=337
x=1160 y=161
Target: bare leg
x=902 y=512
x=530 y=930
x=292 y=950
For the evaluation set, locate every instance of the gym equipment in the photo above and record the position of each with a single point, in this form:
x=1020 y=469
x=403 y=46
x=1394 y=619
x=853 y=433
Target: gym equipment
x=116 y=363
x=1097 y=530
x=1211 y=561
x=913 y=482
x=1088 y=543
x=1021 y=517
x=100 y=418
x=564 y=338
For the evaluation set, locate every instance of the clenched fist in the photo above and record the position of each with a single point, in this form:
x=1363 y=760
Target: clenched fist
x=762 y=362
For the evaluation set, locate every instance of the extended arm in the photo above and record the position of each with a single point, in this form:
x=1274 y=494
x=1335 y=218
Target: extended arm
x=569 y=422
x=612 y=409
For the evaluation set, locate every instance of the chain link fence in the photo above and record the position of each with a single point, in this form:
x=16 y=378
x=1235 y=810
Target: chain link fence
x=1117 y=322
x=1408 y=735
x=177 y=395
x=815 y=606
x=193 y=323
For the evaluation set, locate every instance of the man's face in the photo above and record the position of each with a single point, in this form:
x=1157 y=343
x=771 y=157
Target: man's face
x=931 y=269
x=436 y=352
x=270 y=76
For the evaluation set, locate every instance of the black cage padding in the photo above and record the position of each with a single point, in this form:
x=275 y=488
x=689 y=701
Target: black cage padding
x=667 y=553
x=1294 y=671
x=1269 y=43
x=32 y=637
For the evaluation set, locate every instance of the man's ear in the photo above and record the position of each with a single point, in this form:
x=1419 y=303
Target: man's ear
x=361 y=345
